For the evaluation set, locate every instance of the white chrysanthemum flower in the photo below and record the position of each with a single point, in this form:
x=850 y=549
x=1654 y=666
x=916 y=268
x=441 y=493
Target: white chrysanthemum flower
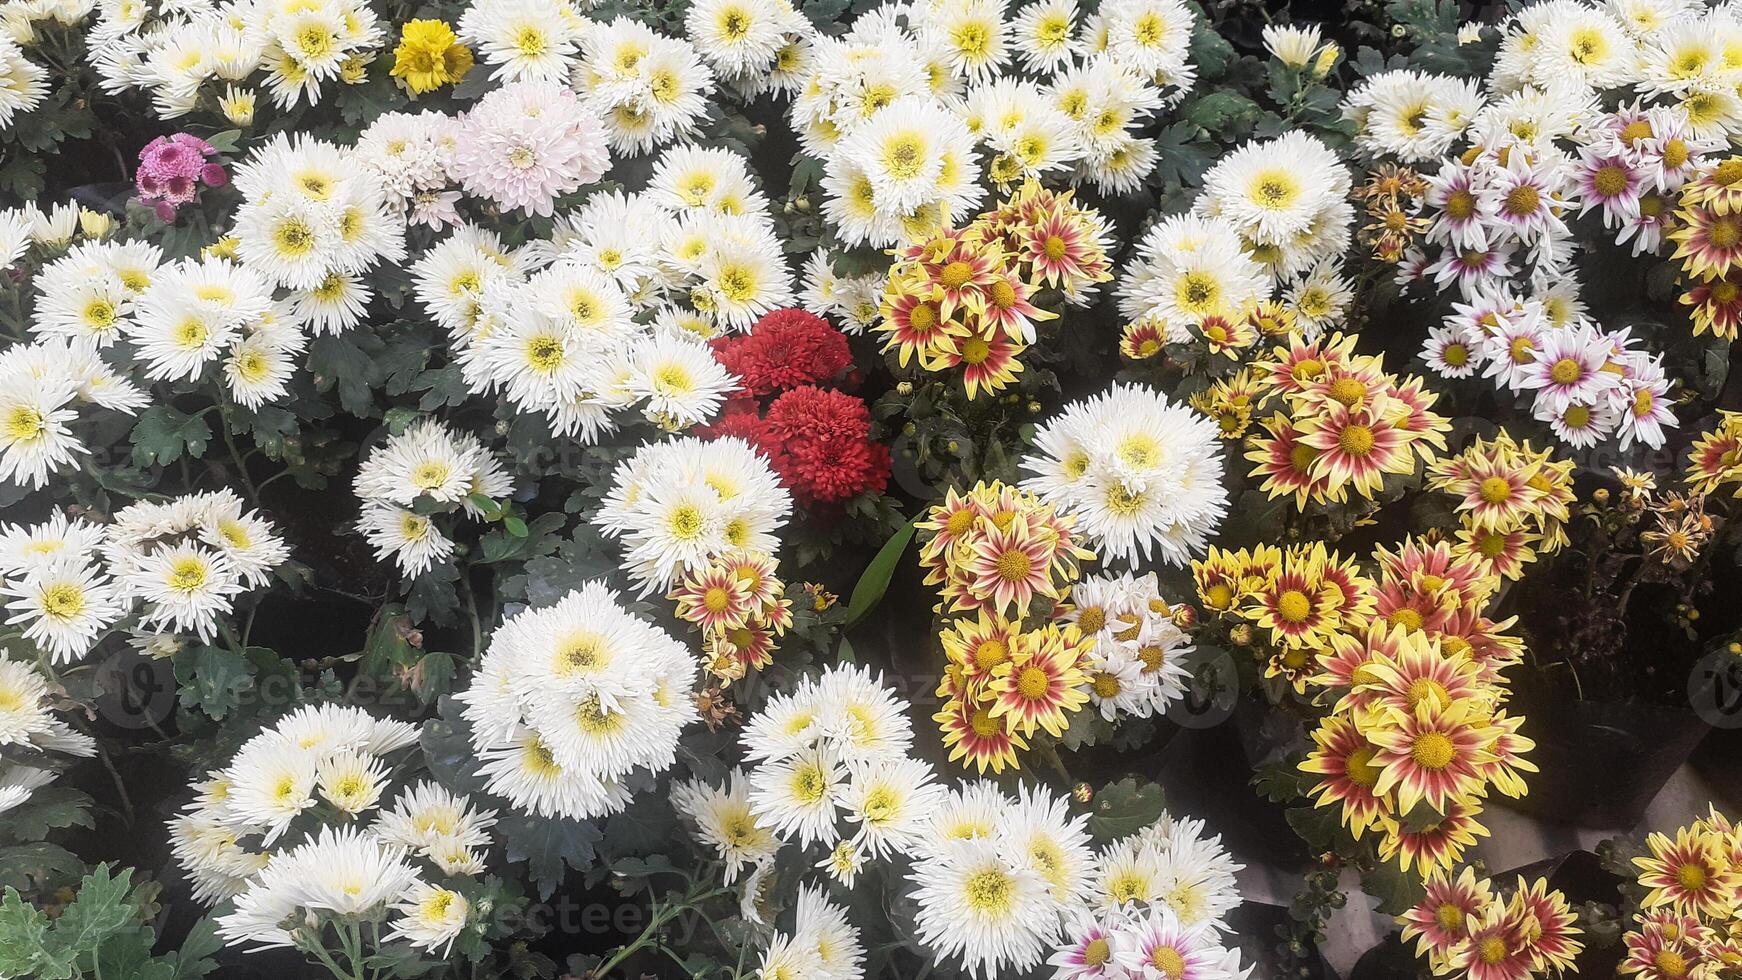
x=678 y=503
x=981 y=904
x=27 y=546
x=64 y=605
x=17 y=783
x=431 y=917
x=343 y=871
x=536 y=40
x=574 y=697
x=1293 y=46
x=1042 y=34
x=1138 y=473
x=409 y=538
x=23 y=83
x=350 y=782
x=680 y=379
x=724 y=822
x=184 y=588
x=743 y=38
x=24 y=711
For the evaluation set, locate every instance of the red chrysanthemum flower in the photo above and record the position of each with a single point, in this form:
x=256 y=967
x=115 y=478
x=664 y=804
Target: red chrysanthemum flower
x=785 y=349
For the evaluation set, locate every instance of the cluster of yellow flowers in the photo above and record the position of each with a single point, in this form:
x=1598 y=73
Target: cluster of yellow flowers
x=429 y=56
x=1343 y=422
x=965 y=298
x=1231 y=336
x=1465 y=929
x=1004 y=561
x=739 y=603
x=1513 y=502
x=1708 y=239
x=1409 y=668
x=1690 y=924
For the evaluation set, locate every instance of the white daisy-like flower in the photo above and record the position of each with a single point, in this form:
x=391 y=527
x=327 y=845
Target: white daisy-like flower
x=65 y=605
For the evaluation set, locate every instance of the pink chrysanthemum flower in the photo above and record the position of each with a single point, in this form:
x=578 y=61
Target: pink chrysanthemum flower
x=171 y=170
x=528 y=143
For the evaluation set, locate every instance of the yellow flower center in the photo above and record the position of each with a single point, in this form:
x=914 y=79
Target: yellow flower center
x=1494 y=490
x=956 y=275
x=1566 y=371
x=1356 y=440
x=1169 y=961
x=1432 y=750
x=1294 y=606
x=1033 y=683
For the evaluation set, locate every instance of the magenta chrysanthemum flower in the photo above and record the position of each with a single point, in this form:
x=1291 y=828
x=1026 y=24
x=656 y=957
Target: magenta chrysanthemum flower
x=171 y=170
x=528 y=143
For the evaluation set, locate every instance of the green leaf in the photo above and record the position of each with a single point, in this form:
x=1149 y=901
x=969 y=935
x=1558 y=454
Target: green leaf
x=194 y=959
x=1315 y=825
x=49 y=808
x=1125 y=807
x=548 y=847
x=163 y=434
x=22 y=931
x=100 y=909
x=875 y=580
x=1221 y=111
x=212 y=680
x=37 y=864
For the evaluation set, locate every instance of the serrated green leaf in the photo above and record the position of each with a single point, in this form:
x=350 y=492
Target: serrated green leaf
x=165 y=434
x=1124 y=808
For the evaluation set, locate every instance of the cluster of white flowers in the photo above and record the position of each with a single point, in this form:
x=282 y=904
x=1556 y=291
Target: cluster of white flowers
x=43 y=387
x=23 y=83
x=1412 y=115
x=1287 y=199
x=612 y=312
x=1587 y=383
x=755 y=46
x=822 y=946
x=1542 y=151
x=646 y=89
x=1134 y=667
x=30 y=731
x=349 y=875
x=180 y=52
x=1673 y=49
x=1272 y=220
x=677 y=504
x=995 y=878
x=239 y=839
x=1137 y=472
x=1157 y=907
x=411 y=154
x=183 y=561
x=901 y=107
x=313 y=223
x=574 y=699
x=429 y=461
x=831 y=766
